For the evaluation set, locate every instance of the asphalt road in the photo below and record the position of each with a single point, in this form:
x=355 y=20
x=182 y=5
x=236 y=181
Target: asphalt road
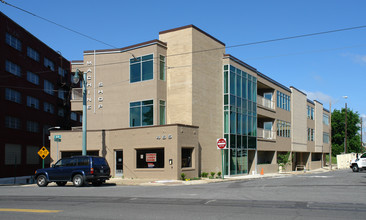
x=332 y=195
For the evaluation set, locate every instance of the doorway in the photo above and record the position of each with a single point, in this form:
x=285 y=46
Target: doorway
x=118 y=163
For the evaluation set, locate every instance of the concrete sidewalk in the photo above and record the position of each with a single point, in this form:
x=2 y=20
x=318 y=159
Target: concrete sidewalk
x=25 y=180
x=151 y=182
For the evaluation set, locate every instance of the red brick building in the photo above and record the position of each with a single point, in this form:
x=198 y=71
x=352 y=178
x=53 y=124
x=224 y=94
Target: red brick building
x=34 y=97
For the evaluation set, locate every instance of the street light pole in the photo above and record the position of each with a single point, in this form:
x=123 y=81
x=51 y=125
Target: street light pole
x=84 y=114
x=76 y=79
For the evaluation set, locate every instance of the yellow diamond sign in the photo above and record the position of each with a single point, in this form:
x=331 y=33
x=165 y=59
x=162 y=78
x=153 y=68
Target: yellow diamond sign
x=43 y=152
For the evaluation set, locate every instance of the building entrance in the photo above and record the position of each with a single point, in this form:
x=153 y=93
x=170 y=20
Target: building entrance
x=118 y=163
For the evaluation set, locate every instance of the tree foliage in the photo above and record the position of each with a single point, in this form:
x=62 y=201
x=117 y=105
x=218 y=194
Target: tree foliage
x=338 y=131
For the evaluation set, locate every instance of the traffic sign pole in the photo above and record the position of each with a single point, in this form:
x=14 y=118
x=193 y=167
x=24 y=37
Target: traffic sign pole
x=43 y=152
x=221 y=144
x=222 y=169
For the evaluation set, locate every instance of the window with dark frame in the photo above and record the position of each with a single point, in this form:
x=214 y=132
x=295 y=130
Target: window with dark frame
x=187 y=157
x=150 y=158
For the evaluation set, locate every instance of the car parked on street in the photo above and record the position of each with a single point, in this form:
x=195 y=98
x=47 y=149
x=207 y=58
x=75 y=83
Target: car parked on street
x=359 y=163
x=77 y=169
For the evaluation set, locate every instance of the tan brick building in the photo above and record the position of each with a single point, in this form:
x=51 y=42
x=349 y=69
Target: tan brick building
x=156 y=109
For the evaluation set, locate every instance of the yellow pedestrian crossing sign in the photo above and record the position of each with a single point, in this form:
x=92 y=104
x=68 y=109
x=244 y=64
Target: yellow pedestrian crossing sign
x=43 y=152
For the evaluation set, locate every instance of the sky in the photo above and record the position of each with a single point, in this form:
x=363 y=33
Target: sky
x=326 y=67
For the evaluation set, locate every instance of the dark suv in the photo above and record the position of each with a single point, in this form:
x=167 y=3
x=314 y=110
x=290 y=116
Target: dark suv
x=78 y=169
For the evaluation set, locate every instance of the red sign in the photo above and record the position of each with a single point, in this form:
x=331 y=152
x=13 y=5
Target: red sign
x=221 y=143
x=151 y=157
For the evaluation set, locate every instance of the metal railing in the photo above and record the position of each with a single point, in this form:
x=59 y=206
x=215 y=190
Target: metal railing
x=266 y=134
x=265 y=102
x=77 y=94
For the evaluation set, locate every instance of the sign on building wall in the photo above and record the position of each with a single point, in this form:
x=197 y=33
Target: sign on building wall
x=151 y=157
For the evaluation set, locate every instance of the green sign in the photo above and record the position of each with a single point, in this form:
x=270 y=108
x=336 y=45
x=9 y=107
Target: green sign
x=57 y=138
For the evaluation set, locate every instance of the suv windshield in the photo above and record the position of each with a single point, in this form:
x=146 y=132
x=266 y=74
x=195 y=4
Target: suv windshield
x=100 y=161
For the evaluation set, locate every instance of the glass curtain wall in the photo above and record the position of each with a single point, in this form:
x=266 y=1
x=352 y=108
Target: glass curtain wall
x=240 y=118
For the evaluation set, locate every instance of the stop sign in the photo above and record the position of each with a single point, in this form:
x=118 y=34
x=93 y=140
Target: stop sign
x=221 y=143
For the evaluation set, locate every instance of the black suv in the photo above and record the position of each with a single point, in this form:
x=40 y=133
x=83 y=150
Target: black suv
x=78 y=169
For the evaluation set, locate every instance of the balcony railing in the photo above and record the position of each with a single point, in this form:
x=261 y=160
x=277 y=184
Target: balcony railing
x=266 y=134
x=77 y=94
x=265 y=102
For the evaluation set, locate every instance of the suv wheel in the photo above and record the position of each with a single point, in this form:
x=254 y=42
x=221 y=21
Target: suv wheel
x=355 y=168
x=78 y=180
x=61 y=183
x=42 y=181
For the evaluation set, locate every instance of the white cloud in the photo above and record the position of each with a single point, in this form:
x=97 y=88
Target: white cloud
x=361 y=59
x=319 y=96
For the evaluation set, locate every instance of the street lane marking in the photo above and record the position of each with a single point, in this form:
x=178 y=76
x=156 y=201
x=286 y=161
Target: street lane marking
x=209 y=201
x=30 y=210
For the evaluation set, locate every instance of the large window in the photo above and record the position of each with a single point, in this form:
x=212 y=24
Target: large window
x=33 y=54
x=283 y=101
x=32 y=126
x=310 y=134
x=187 y=157
x=48 y=87
x=13 y=154
x=73 y=116
x=33 y=78
x=13 y=95
x=240 y=118
x=47 y=107
x=325 y=137
x=162 y=67
x=13 y=41
x=48 y=63
x=32 y=102
x=310 y=111
x=141 y=113
x=61 y=94
x=62 y=72
x=141 y=68
x=283 y=129
x=325 y=119
x=12 y=68
x=162 y=112
x=12 y=122
x=150 y=158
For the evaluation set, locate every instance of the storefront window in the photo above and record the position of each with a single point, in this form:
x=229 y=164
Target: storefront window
x=150 y=158
x=187 y=157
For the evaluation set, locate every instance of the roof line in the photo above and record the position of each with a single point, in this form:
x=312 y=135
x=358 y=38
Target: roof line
x=128 y=47
x=256 y=71
x=191 y=26
x=298 y=90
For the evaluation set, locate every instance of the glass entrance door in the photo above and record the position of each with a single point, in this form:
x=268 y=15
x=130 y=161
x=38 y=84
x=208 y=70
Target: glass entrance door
x=119 y=163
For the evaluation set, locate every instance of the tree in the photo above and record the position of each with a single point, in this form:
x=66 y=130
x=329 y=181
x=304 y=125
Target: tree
x=338 y=131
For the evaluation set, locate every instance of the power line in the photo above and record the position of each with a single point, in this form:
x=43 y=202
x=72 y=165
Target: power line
x=60 y=25
x=198 y=51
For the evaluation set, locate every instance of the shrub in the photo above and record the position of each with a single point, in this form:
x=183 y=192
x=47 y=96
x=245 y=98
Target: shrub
x=213 y=174
x=183 y=176
x=204 y=174
x=218 y=174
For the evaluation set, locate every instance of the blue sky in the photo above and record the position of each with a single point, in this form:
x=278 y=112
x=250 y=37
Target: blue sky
x=326 y=67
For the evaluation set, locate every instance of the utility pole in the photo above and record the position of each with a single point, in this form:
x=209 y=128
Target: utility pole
x=361 y=135
x=345 y=132
x=330 y=136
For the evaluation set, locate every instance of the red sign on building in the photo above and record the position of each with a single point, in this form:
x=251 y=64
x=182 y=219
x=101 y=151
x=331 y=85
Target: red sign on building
x=151 y=157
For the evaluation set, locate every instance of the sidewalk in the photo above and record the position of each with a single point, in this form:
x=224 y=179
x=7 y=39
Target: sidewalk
x=151 y=182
